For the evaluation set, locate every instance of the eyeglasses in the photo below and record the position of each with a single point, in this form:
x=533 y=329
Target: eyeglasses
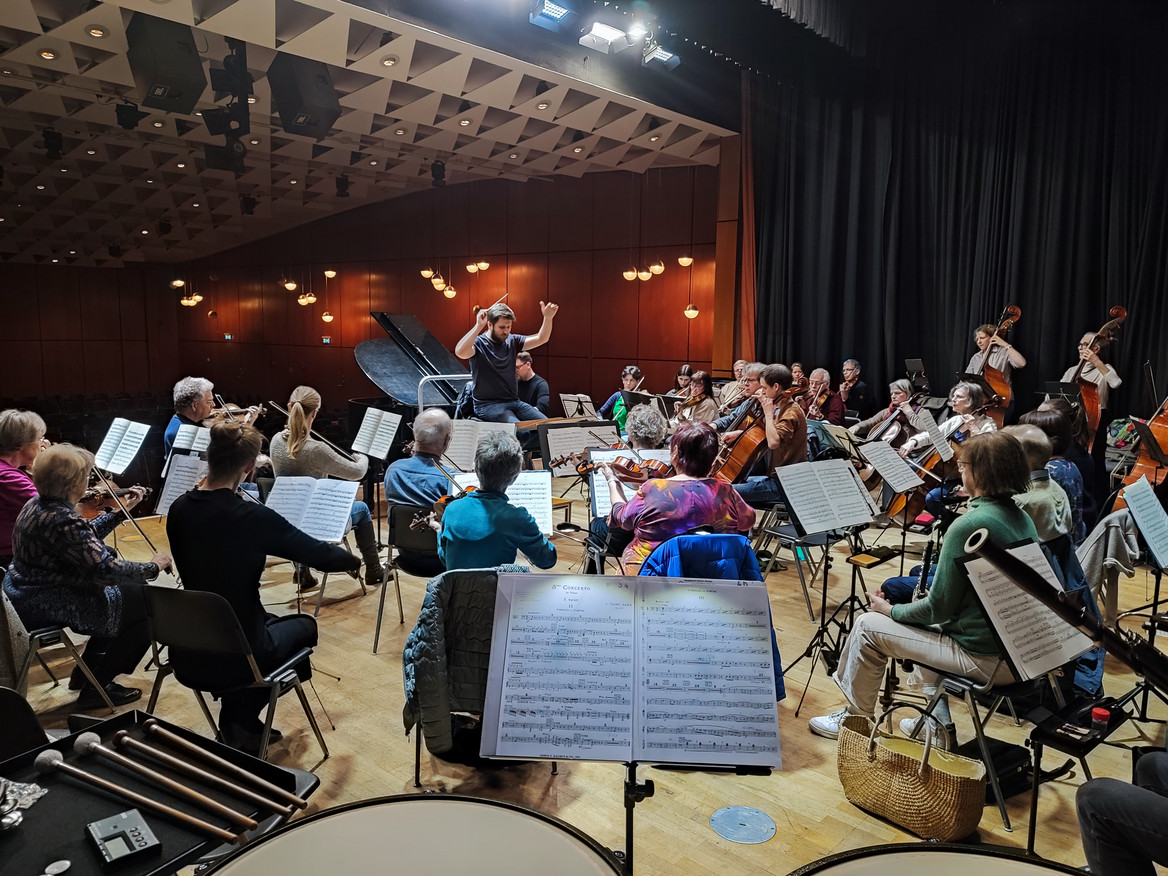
x=962 y=465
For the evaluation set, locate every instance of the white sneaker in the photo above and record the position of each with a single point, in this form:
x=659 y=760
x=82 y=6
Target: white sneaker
x=908 y=727
x=828 y=725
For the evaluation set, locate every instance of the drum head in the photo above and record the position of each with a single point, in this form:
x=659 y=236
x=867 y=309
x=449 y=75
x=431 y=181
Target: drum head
x=425 y=834
x=929 y=859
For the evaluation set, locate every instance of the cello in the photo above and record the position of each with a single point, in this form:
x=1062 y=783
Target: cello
x=734 y=461
x=1003 y=392
x=1089 y=391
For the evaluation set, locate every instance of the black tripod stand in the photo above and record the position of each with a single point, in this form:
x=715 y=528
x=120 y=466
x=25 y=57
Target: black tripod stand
x=1156 y=622
x=828 y=641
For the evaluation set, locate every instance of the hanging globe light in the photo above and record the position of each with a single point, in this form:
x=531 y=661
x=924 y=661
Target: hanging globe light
x=326 y=317
x=630 y=274
x=690 y=311
x=685 y=261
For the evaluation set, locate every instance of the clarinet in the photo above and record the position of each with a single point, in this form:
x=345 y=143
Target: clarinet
x=921 y=590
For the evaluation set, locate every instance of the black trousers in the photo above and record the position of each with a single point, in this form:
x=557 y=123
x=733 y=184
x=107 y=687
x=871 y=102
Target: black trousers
x=110 y=656
x=289 y=634
x=1125 y=827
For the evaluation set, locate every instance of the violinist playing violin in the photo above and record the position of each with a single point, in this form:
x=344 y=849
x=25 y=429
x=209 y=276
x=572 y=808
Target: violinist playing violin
x=418 y=480
x=699 y=406
x=854 y=392
x=194 y=400
x=786 y=433
x=820 y=402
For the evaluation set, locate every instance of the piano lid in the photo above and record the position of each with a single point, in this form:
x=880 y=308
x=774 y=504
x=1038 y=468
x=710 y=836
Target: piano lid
x=396 y=363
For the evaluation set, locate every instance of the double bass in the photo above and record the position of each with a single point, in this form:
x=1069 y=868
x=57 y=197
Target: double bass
x=1003 y=392
x=1088 y=391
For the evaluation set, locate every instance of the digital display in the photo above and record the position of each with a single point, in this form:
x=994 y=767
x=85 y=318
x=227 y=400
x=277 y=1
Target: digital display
x=117 y=846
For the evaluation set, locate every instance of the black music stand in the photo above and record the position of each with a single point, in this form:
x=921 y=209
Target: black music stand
x=1148 y=439
x=632 y=399
x=916 y=374
x=978 y=380
x=1067 y=391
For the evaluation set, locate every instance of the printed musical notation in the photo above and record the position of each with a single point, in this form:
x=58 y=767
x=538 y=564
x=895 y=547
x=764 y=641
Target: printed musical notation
x=619 y=669
x=186 y=472
x=120 y=445
x=321 y=508
x=825 y=495
x=531 y=491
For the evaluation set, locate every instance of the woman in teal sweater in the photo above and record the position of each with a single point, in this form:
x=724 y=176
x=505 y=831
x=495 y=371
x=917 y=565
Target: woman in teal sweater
x=947 y=630
x=483 y=529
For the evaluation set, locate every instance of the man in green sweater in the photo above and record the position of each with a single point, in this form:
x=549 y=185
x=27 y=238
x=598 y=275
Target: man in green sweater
x=947 y=630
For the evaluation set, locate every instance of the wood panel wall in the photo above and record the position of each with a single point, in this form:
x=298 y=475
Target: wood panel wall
x=70 y=330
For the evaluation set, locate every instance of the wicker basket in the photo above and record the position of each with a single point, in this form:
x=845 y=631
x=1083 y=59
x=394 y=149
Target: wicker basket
x=931 y=792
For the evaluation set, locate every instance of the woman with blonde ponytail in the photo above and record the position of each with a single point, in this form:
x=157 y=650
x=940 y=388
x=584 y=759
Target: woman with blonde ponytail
x=295 y=452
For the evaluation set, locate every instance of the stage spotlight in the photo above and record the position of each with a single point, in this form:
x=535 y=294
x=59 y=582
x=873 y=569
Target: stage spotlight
x=342 y=187
x=554 y=16
x=655 y=56
x=229 y=157
x=54 y=143
x=604 y=38
x=438 y=173
x=129 y=116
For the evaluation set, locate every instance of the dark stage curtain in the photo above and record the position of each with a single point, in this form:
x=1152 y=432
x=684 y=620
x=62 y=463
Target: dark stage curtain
x=991 y=154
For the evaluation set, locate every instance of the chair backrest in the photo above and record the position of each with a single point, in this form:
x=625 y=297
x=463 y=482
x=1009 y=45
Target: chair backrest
x=726 y=557
x=194 y=620
x=419 y=541
x=19 y=729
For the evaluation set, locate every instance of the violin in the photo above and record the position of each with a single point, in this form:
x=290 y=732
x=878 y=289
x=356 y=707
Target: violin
x=632 y=472
x=232 y=411
x=576 y=460
x=1088 y=391
x=98 y=500
x=814 y=410
x=800 y=386
x=423 y=519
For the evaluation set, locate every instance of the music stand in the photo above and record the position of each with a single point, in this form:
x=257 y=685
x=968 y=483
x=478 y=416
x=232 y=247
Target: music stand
x=990 y=394
x=632 y=399
x=577 y=405
x=916 y=374
x=1148 y=438
x=1058 y=389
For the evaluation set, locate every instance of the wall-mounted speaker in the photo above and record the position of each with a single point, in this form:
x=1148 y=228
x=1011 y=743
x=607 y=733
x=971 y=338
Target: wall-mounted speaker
x=166 y=65
x=304 y=95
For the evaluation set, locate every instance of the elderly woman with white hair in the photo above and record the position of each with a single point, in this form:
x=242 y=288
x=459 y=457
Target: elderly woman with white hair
x=482 y=528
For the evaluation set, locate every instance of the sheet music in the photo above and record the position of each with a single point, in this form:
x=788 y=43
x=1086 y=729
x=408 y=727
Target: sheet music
x=1036 y=639
x=577 y=439
x=619 y=669
x=825 y=495
x=189 y=437
x=943 y=447
x=376 y=434
x=706 y=690
x=289 y=497
x=598 y=485
x=890 y=466
x=577 y=404
x=531 y=491
x=843 y=437
x=464 y=440
x=185 y=474
x=568 y=653
x=121 y=445
x=1150 y=518
x=327 y=515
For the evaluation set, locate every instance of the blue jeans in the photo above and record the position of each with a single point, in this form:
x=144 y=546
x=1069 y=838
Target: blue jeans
x=1125 y=827
x=506 y=412
x=761 y=491
x=360 y=514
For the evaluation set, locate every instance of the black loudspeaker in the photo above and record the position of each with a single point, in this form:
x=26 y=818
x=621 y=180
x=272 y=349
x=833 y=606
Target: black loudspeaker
x=166 y=66
x=304 y=95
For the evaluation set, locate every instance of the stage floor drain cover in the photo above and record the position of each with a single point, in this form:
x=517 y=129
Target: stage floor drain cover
x=742 y=824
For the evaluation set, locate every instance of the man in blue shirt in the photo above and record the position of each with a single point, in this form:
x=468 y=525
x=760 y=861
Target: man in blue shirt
x=492 y=351
x=419 y=479
x=193 y=402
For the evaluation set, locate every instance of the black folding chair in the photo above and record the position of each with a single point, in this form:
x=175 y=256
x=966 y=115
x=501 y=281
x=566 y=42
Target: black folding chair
x=416 y=554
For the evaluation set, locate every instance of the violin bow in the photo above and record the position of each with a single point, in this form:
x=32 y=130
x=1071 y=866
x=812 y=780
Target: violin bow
x=349 y=456
x=122 y=507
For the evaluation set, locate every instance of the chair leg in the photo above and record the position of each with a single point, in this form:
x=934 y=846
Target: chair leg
x=163 y=671
x=381 y=608
x=207 y=714
x=311 y=717
x=401 y=613
x=265 y=737
x=85 y=670
x=45 y=667
x=320 y=594
x=418 y=755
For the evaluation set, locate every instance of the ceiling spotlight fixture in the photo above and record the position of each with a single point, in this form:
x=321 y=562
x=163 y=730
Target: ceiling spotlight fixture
x=40 y=187
x=654 y=138
x=145 y=231
x=604 y=38
x=472 y=268
x=302 y=300
x=578 y=149
x=254 y=141
x=182 y=164
x=373 y=162
x=90 y=151
x=311 y=296
x=196 y=297
x=54 y=261
x=289 y=284
x=685 y=261
x=158 y=124
x=690 y=311
x=482 y=265
x=389 y=61
x=655 y=56
x=438 y=282
x=554 y=16
x=292 y=182
x=542 y=105
x=644 y=274
x=513 y=155
x=149 y=180
x=630 y=273
x=195 y=204
x=427 y=272
x=658 y=267
x=251 y=99
x=326 y=317
x=330 y=273
x=401 y=132
x=97 y=31
x=48 y=54
x=72 y=252
x=177 y=283
x=464 y=122
x=449 y=292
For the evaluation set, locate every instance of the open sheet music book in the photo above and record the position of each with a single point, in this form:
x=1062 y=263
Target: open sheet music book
x=1035 y=638
x=577 y=404
x=825 y=495
x=891 y=467
x=558 y=440
x=598 y=484
x=464 y=440
x=663 y=670
x=320 y=508
x=120 y=445
x=940 y=444
x=376 y=433
x=531 y=491
x=186 y=472
x=1150 y=518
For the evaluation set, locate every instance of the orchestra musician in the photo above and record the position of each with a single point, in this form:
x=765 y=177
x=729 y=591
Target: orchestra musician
x=1044 y=501
x=1062 y=470
x=797 y=373
x=750 y=381
x=1095 y=370
x=733 y=392
x=221 y=542
x=193 y=402
x=900 y=391
x=854 y=392
x=948 y=629
x=614 y=408
x=482 y=528
x=665 y=507
x=1004 y=356
x=62 y=573
x=296 y=453
x=22 y=438
x=681 y=382
x=533 y=389
x=786 y=431
x=699 y=405
x=820 y=403
x=492 y=349
x=1122 y=825
x=1076 y=452
x=418 y=479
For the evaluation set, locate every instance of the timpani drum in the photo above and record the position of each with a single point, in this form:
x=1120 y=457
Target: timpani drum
x=929 y=859
x=421 y=834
